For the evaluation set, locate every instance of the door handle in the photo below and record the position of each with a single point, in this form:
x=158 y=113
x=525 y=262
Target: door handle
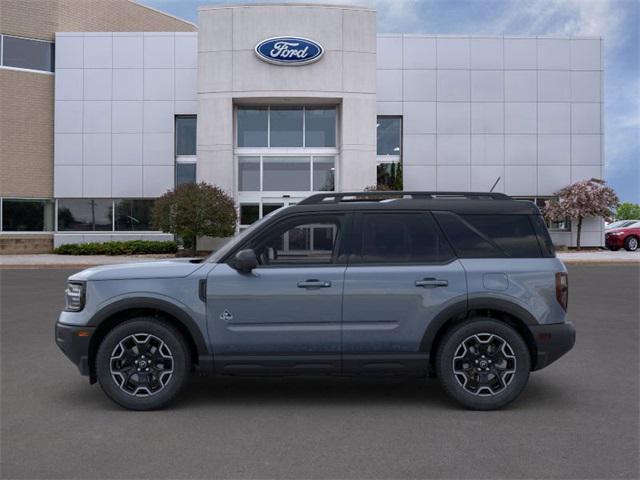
x=313 y=283
x=431 y=283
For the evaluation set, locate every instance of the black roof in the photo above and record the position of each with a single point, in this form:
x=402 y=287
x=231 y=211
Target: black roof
x=457 y=202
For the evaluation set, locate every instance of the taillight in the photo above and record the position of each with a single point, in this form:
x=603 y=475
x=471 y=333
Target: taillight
x=562 y=289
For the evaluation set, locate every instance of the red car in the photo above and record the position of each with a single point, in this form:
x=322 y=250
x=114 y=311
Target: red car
x=627 y=237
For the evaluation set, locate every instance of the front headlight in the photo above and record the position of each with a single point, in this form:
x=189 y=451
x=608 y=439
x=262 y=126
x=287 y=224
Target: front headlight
x=74 y=297
x=616 y=233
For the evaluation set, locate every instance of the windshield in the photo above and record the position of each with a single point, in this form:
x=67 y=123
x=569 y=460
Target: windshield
x=216 y=255
x=622 y=224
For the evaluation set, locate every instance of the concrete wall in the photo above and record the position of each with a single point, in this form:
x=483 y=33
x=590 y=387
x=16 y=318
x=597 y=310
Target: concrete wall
x=525 y=109
x=229 y=72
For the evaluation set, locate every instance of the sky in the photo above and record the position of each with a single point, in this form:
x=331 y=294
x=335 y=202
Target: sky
x=617 y=21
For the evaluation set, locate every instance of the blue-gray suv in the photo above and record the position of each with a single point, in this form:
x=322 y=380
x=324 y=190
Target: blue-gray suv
x=462 y=286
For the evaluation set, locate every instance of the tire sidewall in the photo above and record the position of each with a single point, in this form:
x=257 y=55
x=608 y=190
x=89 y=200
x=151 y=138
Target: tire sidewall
x=166 y=333
x=448 y=347
x=627 y=244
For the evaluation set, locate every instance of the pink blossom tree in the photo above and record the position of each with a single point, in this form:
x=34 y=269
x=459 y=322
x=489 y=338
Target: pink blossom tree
x=586 y=198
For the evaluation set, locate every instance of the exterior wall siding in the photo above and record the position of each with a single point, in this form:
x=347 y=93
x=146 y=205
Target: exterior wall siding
x=27 y=113
x=117 y=95
x=26 y=128
x=524 y=110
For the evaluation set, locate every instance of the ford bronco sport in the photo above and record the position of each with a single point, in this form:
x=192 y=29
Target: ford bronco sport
x=462 y=286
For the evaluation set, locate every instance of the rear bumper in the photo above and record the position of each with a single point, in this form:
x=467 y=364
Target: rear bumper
x=74 y=343
x=552 y=342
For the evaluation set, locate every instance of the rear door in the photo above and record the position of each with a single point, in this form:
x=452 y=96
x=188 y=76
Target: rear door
x=401 y=275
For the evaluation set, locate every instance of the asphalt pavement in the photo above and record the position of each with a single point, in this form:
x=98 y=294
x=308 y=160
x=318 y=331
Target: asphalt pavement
x=578 y=418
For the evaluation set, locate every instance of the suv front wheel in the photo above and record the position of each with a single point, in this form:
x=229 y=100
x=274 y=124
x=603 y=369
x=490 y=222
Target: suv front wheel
x=143 y=363
x=483 y=364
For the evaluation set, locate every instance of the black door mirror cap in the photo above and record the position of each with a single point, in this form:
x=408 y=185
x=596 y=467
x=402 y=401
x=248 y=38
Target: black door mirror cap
x=245 y=261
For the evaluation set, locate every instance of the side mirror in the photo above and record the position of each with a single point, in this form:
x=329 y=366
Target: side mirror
x=245 y=261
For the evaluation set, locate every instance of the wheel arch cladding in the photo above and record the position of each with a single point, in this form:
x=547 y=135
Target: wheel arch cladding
x=119 y=312
x=513 y=315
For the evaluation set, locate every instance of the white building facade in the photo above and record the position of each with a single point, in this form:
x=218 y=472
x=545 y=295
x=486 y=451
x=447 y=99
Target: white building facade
x=521 y=115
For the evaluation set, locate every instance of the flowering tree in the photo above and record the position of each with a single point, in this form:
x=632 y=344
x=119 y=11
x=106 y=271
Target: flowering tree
x=586 y=198
x=195 y=210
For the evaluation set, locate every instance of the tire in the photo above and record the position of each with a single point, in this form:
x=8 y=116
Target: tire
x=143 y=363
x=457 y=364
x=631 y=243
x=614 y=249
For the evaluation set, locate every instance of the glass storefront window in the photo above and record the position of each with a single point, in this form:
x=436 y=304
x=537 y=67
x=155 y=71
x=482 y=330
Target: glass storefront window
x=185 y=173
x=27 y=215
x=133 y=215
x=389 y=174
x=267 y=208
x=249 y=213
x=84 y=215
x=253 y=125
x=186 y=135
x=248 y=174
x=286 y=173
x=389 y=133
x=286 y=127
x=320 y=127
x=26 y=53
x=324 y=174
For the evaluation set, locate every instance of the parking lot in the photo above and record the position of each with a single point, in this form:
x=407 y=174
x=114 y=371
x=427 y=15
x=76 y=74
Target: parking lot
x=579 y=418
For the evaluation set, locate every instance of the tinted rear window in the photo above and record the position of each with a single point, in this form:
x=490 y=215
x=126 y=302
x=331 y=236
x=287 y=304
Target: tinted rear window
x=487 y=236
x=400 y=238
x=544 y=239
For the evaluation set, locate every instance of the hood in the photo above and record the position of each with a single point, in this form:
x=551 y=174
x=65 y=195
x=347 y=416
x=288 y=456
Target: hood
x=140 y=270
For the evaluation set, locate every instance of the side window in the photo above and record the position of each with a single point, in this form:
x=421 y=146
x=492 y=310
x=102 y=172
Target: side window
x=399 y=238
x=512 y=233
x=490 y=236
x=467 y=241
x=301 y=241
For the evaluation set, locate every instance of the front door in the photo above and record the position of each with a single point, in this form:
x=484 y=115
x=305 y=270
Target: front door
x=401 y=275
x=285 y=315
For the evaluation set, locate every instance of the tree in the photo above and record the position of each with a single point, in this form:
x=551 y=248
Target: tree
x=195 y=210
x=586 y=198
x=628 y=211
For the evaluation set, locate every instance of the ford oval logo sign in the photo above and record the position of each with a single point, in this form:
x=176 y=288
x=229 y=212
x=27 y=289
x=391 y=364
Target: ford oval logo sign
x=289 y=50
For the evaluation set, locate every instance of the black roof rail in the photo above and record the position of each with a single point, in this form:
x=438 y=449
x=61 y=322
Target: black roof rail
x=374 y=196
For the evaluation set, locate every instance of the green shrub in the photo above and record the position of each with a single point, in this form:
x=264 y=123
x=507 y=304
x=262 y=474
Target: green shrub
x=132 y=247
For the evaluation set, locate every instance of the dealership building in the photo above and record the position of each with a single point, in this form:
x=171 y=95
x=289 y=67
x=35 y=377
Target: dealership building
x=120 y=103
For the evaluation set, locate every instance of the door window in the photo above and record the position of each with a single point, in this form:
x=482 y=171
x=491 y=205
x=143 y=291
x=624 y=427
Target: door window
x=302 y=241
x=399 y=238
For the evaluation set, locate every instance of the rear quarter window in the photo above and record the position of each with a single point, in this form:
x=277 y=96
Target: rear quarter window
x=490 y=236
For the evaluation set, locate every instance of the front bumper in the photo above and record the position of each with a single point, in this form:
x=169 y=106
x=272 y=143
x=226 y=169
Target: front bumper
x=614 y=241
x=552 y=341
x=74 y=343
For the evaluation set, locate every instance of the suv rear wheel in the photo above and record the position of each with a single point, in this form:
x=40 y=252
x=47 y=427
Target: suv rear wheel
x=483 y=364
x=143 y=363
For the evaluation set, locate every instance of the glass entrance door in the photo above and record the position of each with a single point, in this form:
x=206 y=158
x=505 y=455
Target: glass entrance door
x=254 y=207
